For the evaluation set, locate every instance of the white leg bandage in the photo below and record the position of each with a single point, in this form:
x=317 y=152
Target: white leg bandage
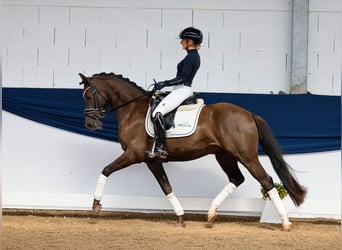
x=279 y=205
x=175 y=203
x=100 y=187
x=227 y=190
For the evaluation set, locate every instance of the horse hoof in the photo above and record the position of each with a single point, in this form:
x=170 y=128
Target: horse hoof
x=287 y=227
x=180 y=221
x=212 y=214
x=96 y=207
x=180 y=224
x=209 y=225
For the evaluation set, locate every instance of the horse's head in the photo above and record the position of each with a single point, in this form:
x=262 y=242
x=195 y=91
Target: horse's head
x=94 y=103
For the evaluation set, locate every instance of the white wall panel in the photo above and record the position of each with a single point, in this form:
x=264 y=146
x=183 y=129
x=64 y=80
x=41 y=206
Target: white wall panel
x=329 y=62
x=243 y=21
x=146 y=18
x=329 y=5
x=41 y=77
x=84 y=17
x=84 y=58
x=266 y=41
x=54 y=16
x=38 y=36
x=233 y=60
x=24 y=15
x=115 y=17
x=330 y=22
x=100 y=37
x=22 y=56
x=245 y=36
x=225 y=40
x=53 y=57
x=324 y=64
x=176 y=20
x=208 y=20
x=212 y=60
x=29 y=76
x=324 y=83
x=12 y=75
x=223 y=81
x=313 y=21
x=131 y=39
x=115 y=60
x=70 y=37
x=147 y=59
x=321 y=42
x=15 y=35
x=257 y=82
x=200 y=4
x=67 y=77
x=163 y=39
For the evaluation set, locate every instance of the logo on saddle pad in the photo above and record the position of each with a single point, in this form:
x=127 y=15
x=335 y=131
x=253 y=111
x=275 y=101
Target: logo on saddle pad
x=185 y=120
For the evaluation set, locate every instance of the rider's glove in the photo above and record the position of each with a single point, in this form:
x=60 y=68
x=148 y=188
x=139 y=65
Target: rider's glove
x=159 y=85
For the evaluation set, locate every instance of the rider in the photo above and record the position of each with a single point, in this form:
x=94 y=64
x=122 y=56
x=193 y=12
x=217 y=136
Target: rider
x=191 y=39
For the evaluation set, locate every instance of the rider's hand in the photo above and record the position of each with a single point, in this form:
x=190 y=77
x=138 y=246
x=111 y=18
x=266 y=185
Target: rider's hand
x=159 y=85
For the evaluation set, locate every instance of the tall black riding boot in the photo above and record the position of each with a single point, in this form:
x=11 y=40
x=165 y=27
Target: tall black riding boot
x=160 y=136
x=159 y=149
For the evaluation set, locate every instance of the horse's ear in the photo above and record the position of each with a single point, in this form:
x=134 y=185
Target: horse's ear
x=84 y=78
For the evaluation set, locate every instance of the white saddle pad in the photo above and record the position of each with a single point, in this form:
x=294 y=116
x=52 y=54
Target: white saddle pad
x=186 y=119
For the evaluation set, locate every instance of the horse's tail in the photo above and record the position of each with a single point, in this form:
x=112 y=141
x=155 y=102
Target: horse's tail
x=283 y=170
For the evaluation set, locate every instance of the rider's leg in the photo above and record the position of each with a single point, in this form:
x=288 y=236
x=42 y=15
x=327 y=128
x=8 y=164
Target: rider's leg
x=173 y=100
x=159 y=128
x=169 y=103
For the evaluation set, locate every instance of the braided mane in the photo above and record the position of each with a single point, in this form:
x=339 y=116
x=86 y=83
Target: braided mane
x=113 y=75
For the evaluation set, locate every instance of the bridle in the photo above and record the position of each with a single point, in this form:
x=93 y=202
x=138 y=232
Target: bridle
x=96 y=113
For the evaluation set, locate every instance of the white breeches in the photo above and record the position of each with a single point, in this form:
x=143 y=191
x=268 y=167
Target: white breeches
x=173 y=100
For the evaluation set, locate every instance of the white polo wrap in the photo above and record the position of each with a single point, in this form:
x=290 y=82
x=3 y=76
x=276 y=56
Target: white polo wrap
x=279 y=205
x=175 y=203
x=101 y=182
x=226 y=191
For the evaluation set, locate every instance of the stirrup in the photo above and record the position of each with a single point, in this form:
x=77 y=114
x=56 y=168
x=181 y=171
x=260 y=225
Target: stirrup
x=150 y=154
x=161 y=153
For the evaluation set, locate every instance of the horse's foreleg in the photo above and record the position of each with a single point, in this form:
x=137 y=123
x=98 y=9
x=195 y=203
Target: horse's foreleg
x=120 y=163
x=158 y=171
x=101 y=182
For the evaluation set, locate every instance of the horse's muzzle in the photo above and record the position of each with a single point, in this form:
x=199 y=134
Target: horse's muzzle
x=93 y=124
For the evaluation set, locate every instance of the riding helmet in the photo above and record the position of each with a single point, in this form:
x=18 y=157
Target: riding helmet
x=193 y=34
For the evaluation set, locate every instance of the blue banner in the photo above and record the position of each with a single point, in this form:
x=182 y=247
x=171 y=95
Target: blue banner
x=301 y=123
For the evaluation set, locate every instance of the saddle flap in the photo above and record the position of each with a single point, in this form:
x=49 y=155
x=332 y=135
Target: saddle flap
x=185 y=120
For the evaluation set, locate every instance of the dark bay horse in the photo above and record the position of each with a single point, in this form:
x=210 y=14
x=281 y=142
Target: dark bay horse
x=229 y=132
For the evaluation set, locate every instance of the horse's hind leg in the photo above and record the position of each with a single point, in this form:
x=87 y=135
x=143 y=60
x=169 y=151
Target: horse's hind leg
x=158 y=171
x=259 y=173
x=230 y=167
